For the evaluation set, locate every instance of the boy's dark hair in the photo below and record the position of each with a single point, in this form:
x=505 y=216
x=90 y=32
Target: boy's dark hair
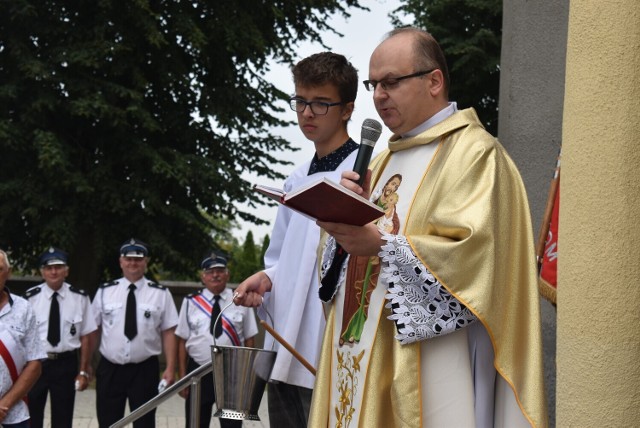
x=328 y=67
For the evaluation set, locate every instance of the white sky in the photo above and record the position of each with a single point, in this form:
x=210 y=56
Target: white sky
x=361 y=34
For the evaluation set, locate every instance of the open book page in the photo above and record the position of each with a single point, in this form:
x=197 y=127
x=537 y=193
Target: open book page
x=326 y=200
x=271 y=192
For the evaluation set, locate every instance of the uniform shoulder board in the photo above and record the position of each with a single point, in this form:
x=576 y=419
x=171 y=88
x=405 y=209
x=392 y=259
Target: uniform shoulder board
x=156 y=285
x=194 y=294
x=108 y=284
x=32 y=292
x=78 y=290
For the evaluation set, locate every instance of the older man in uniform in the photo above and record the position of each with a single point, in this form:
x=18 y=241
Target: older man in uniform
x=137 y=319
x=20 y=353
x=65 y=324
x=197 y=327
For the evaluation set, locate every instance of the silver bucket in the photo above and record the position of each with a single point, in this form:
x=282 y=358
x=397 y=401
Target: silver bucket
x=240 y=375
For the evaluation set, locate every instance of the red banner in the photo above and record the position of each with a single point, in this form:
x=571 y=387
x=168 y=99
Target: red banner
x=547 y=248
x=548 y=282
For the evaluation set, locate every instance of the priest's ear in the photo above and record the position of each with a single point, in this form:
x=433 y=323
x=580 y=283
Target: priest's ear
x=436 y=82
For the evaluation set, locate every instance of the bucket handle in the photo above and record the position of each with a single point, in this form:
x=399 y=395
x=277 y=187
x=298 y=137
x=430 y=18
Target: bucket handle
x=235 y=294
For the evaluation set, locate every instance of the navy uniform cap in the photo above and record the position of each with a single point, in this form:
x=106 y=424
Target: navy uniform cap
x=213 y=261
x=134 y=248
x=53 y=256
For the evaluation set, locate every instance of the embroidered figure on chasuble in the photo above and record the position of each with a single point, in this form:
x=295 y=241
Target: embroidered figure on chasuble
x=363 y=271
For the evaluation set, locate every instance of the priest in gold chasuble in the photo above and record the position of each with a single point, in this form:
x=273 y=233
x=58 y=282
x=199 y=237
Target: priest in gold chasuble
x=434 y=318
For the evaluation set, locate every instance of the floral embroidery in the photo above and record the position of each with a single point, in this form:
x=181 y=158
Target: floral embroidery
x=421 y=307
x=347 y=384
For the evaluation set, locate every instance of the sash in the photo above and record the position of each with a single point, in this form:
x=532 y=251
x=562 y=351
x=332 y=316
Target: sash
x=227 y=326
x=12 y=356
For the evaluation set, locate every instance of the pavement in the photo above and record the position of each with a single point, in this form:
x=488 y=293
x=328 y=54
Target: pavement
x=169 y=414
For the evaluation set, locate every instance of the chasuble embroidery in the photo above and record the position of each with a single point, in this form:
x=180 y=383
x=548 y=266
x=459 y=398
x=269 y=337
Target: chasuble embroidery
x=422 y=308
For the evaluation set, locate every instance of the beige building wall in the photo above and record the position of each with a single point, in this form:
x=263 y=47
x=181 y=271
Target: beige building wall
x=598 y=337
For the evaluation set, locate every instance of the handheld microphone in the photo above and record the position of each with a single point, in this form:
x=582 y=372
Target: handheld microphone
x=371 y=130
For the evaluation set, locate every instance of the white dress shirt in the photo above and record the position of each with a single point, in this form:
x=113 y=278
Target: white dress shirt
x=76 y=316
x=193 y=324
x=155 y=313
x=18 y=320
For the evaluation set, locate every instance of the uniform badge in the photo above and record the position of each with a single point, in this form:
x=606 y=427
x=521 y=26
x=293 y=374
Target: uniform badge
x=147 y=314
x=73 y=330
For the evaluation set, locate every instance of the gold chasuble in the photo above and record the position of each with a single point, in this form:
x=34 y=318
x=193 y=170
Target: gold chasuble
x=455 y=200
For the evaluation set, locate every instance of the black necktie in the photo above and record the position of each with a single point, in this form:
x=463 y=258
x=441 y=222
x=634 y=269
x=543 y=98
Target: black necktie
x=130 y=322
x=53 y=335
x=215 y=311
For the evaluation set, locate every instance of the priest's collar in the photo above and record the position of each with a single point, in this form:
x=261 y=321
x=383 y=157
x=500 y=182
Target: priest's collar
x=433 y=120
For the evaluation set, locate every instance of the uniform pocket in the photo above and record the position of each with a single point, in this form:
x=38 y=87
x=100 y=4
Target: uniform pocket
x=111 y=312
x=149 y=314
x=71 y=326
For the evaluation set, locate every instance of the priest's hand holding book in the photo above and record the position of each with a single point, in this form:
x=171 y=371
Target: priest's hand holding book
x=356 y=240
x=326 y=201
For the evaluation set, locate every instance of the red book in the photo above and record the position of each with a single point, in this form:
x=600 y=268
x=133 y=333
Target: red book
x=325 y=200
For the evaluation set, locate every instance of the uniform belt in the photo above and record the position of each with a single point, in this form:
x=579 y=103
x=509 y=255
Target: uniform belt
x=60 y=355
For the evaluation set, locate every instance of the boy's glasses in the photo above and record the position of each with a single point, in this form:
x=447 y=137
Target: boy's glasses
x=317 y=107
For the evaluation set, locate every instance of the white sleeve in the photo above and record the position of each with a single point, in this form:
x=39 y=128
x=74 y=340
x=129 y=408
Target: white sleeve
x=278 y=233
x=182 y=330
x=33 y=347
x=96 y=307
x=170 y=314
x=88 y=317
x=249 y=326
x=272 y=255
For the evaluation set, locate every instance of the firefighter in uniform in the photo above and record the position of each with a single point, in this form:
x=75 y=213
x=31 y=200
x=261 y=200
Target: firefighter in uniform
x=66 y=327
x=197 y=328
x=137 y=319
